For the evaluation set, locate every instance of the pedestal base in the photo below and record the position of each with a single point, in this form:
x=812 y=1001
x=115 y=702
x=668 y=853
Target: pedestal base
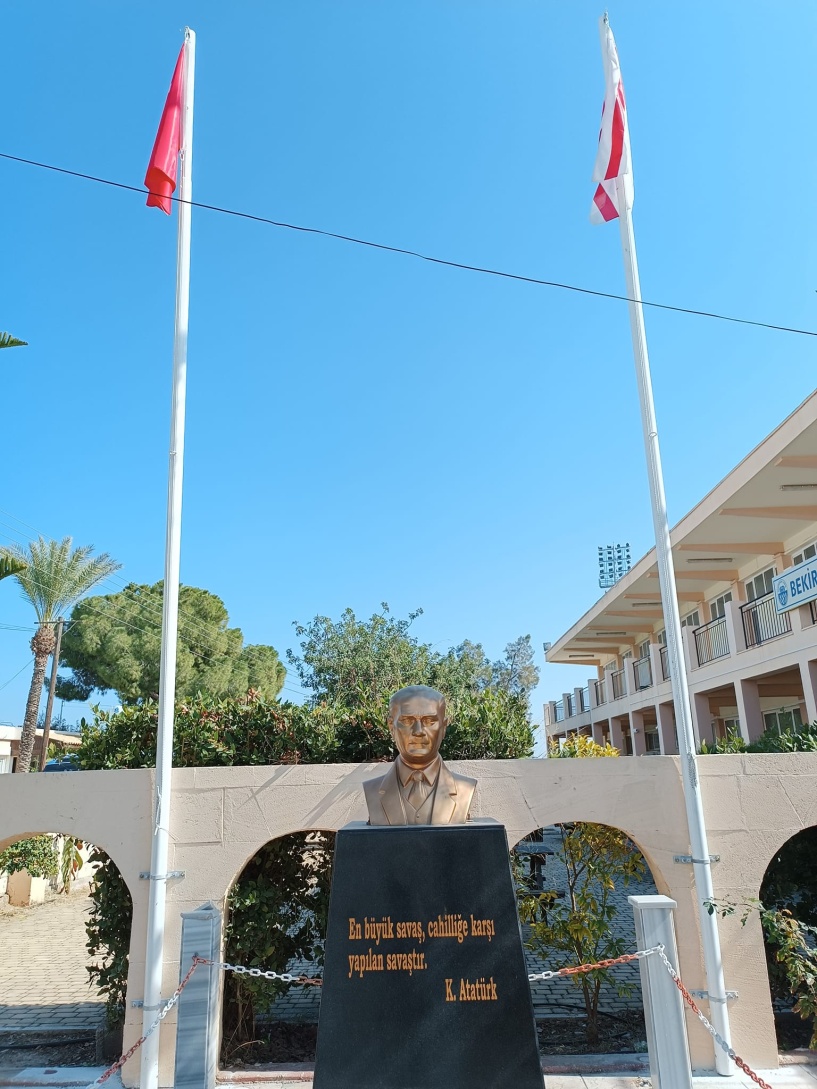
x=425 y=983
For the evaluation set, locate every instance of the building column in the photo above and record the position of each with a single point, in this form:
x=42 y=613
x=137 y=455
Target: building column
x=808 y=676
x=616 y=735
x=701 y=719
x=637 y=733
x=748 y=701
x=665 y=715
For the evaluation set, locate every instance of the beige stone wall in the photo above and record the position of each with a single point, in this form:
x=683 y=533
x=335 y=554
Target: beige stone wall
x=221 y=816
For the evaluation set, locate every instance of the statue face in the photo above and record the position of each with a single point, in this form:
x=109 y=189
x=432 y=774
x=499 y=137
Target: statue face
x=418 y=730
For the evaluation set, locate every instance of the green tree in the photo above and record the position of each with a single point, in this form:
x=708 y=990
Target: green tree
x=578 y=927
x=357 y=664
x=113 y=642
x=54 y=578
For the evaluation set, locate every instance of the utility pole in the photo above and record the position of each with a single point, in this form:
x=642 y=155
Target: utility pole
x=49 y=707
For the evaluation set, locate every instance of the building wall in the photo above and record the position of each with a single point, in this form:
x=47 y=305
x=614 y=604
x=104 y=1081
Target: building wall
x=222 y=816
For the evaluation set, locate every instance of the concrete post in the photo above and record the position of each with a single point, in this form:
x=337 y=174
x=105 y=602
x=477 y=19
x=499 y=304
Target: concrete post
x=617 y=735
x=747 y=698
x=702 y=718
x=734 y=627
x=666 y=728
x=197 y=1032
x=808 y=675
x=663 y=1006
x=690 y=649
x=655 y=664
x=637 y=733
x=591 y=691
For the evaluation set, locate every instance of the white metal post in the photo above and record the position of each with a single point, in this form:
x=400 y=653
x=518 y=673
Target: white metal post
x=154 y=953
x=663 y=1006
x=672 y=619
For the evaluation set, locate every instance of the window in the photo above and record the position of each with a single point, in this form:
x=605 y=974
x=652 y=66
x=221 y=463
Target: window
x=652 y=742
x=644 y=649
x=627 y=654
x=808 y=553
x=787 y=718
x=731 y=727
x=761 y=584
x=717 y=608
x=691 y=620
x=5 y=764
x=661 y=638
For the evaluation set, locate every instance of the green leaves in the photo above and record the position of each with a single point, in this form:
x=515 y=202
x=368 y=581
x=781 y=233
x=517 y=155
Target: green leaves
x=10 y=565
x=55 y=575
x=113 y=641
x=8 y=341
x=37 y=855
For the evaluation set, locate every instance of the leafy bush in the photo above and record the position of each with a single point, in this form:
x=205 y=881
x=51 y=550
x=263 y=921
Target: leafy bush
x=791 y=954
x=37 y=855
x=796 y=739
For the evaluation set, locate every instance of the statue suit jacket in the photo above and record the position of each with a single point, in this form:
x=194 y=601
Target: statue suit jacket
x=448 y=803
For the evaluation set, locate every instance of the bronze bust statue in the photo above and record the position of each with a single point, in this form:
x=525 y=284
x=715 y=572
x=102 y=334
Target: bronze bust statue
x=418 y=788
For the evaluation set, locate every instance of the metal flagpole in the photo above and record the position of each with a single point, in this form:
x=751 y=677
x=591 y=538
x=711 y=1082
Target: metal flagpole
x=672 y=618
x=154 y=953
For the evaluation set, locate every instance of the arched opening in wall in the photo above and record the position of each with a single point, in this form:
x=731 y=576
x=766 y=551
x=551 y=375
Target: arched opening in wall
x=275 y=919
x=65 y=915
x=572 y=883
x=788 y=915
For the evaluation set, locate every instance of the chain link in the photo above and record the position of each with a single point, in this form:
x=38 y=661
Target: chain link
x=710 y=1028
x=260 y=973
x=163 y=1012
x=286 y=977
x=625 y=959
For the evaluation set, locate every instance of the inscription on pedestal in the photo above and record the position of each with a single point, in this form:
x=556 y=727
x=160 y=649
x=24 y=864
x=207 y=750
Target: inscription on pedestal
x=425 y=981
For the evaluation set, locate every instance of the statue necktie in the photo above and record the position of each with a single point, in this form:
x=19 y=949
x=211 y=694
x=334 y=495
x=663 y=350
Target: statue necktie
x=419 y=790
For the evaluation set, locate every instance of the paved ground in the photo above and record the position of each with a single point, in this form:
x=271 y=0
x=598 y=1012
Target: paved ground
x=790 y=1077
x=43 y=967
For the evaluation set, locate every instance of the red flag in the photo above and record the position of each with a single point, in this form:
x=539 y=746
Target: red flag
x=164 y=160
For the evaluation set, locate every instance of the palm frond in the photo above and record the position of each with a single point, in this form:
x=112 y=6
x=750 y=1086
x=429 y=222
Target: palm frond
x=9 y=565
x=8 y=341
x=56 y=575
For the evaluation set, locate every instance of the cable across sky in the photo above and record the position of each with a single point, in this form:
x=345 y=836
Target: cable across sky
x=386 y=248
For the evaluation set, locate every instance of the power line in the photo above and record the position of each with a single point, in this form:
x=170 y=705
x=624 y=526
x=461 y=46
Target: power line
x=384 y=247
x=5 y=684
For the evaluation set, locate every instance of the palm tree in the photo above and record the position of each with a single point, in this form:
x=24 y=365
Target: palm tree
x=8 y=341
x=54 y=578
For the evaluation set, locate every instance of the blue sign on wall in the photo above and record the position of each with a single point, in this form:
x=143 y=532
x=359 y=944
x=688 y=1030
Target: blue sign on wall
x=796 y=586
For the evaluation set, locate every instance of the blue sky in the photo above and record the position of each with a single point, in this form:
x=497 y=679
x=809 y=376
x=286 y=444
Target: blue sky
x=366 y=427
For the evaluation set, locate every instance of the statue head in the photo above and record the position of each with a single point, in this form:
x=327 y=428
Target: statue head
x=418 y=722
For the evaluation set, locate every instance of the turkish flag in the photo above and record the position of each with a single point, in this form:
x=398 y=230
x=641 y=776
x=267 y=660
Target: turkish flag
x=163 y=167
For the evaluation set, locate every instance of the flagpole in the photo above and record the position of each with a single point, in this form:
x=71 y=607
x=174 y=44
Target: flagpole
x=701 y=864
x=154 y=952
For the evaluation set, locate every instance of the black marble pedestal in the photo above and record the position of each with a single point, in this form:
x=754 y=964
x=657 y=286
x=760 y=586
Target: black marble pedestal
x=425 y=984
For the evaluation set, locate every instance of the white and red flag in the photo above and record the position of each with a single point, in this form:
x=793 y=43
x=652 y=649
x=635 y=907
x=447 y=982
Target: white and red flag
x=613 y=170
x=163 y=167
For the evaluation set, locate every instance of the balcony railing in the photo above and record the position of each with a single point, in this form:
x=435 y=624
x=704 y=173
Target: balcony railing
x=601 y=692
x=711 y=641
x=642 y=668
x=560 y=711
x=665 y=663
x=762 y=622
x=617 y=681
x=571 y=705
x=585 y=699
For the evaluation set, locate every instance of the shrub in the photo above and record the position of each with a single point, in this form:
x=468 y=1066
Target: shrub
x=37 y=855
